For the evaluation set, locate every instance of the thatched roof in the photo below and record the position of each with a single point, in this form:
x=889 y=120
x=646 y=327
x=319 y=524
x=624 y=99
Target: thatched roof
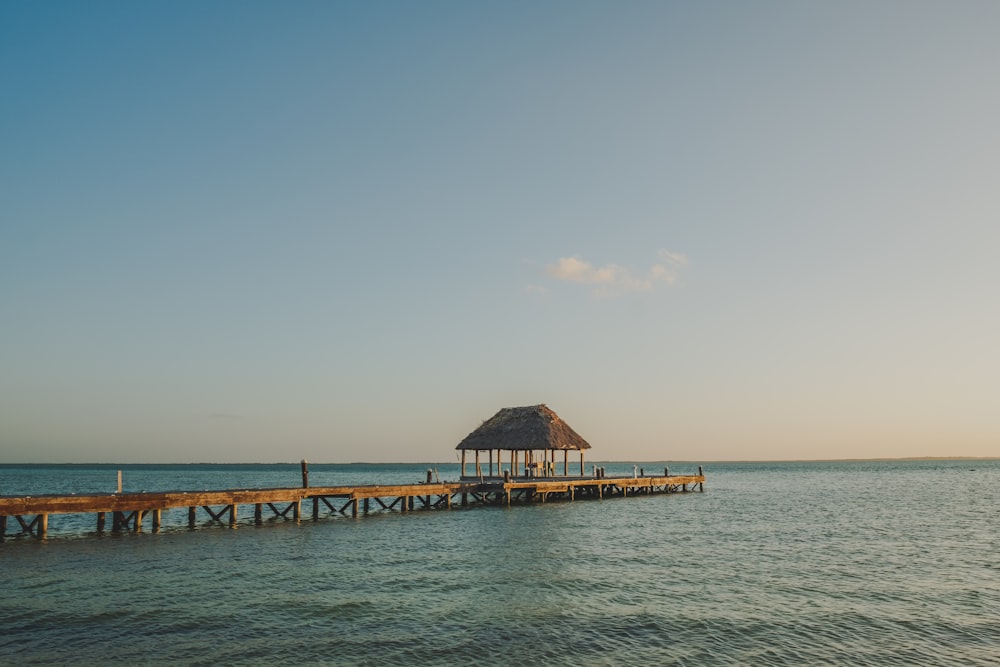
x=531 y=427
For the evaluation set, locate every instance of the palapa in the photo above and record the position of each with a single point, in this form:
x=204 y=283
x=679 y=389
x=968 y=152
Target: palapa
x=534 y=427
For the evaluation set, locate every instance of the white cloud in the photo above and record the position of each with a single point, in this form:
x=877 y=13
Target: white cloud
x=675 y=258
x=611 y=279
x=575 y=270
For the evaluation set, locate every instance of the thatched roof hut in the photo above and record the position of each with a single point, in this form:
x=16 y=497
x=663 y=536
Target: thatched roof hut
x=527 y=430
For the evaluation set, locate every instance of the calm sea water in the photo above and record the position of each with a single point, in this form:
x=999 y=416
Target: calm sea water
x=860 y=563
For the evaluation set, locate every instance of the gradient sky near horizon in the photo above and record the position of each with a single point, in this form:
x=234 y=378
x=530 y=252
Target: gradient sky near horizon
x=253 y=231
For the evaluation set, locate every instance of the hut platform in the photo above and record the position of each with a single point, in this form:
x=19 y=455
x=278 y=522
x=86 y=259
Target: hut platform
x=131 y=512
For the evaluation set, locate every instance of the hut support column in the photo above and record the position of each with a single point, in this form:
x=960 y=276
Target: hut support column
x=463 y=463
x=479 y=469
x=565 y=463
x=581 y=463
x=491 y=463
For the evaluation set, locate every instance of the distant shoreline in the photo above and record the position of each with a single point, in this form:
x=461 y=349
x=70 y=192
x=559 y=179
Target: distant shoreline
x=444 y=463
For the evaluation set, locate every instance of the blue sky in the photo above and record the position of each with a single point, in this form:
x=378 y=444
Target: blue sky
x=352 y=231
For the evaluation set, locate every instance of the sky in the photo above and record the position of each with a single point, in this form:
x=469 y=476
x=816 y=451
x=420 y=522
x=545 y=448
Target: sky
x=352 y=231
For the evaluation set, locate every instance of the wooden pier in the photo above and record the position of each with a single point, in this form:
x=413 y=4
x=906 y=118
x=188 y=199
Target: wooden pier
x=29 y=515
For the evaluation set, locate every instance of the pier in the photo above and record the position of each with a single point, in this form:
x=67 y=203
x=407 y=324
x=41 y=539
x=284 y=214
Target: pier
x=529 y=436
x=134 y=512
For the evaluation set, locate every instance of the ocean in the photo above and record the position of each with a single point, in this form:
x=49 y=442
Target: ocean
x=807 y=563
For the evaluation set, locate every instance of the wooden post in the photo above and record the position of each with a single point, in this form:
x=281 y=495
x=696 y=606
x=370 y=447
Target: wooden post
x=157 y=519
x=479 y=469
x=119 y=481
x=305 y=474
x=354 y=508
x=491 y=463
x=191 y=517
x=565 y=463
x=582 y=473
x=367 y=504
x=43 y=525
x=232 y=515
x=465 y=499
x=315 y=508
x=100 y=522
x=258 y=513
x=297 y=510
x=463 y=463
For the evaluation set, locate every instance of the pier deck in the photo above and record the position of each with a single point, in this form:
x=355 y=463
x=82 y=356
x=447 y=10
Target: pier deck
x=128 y=510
